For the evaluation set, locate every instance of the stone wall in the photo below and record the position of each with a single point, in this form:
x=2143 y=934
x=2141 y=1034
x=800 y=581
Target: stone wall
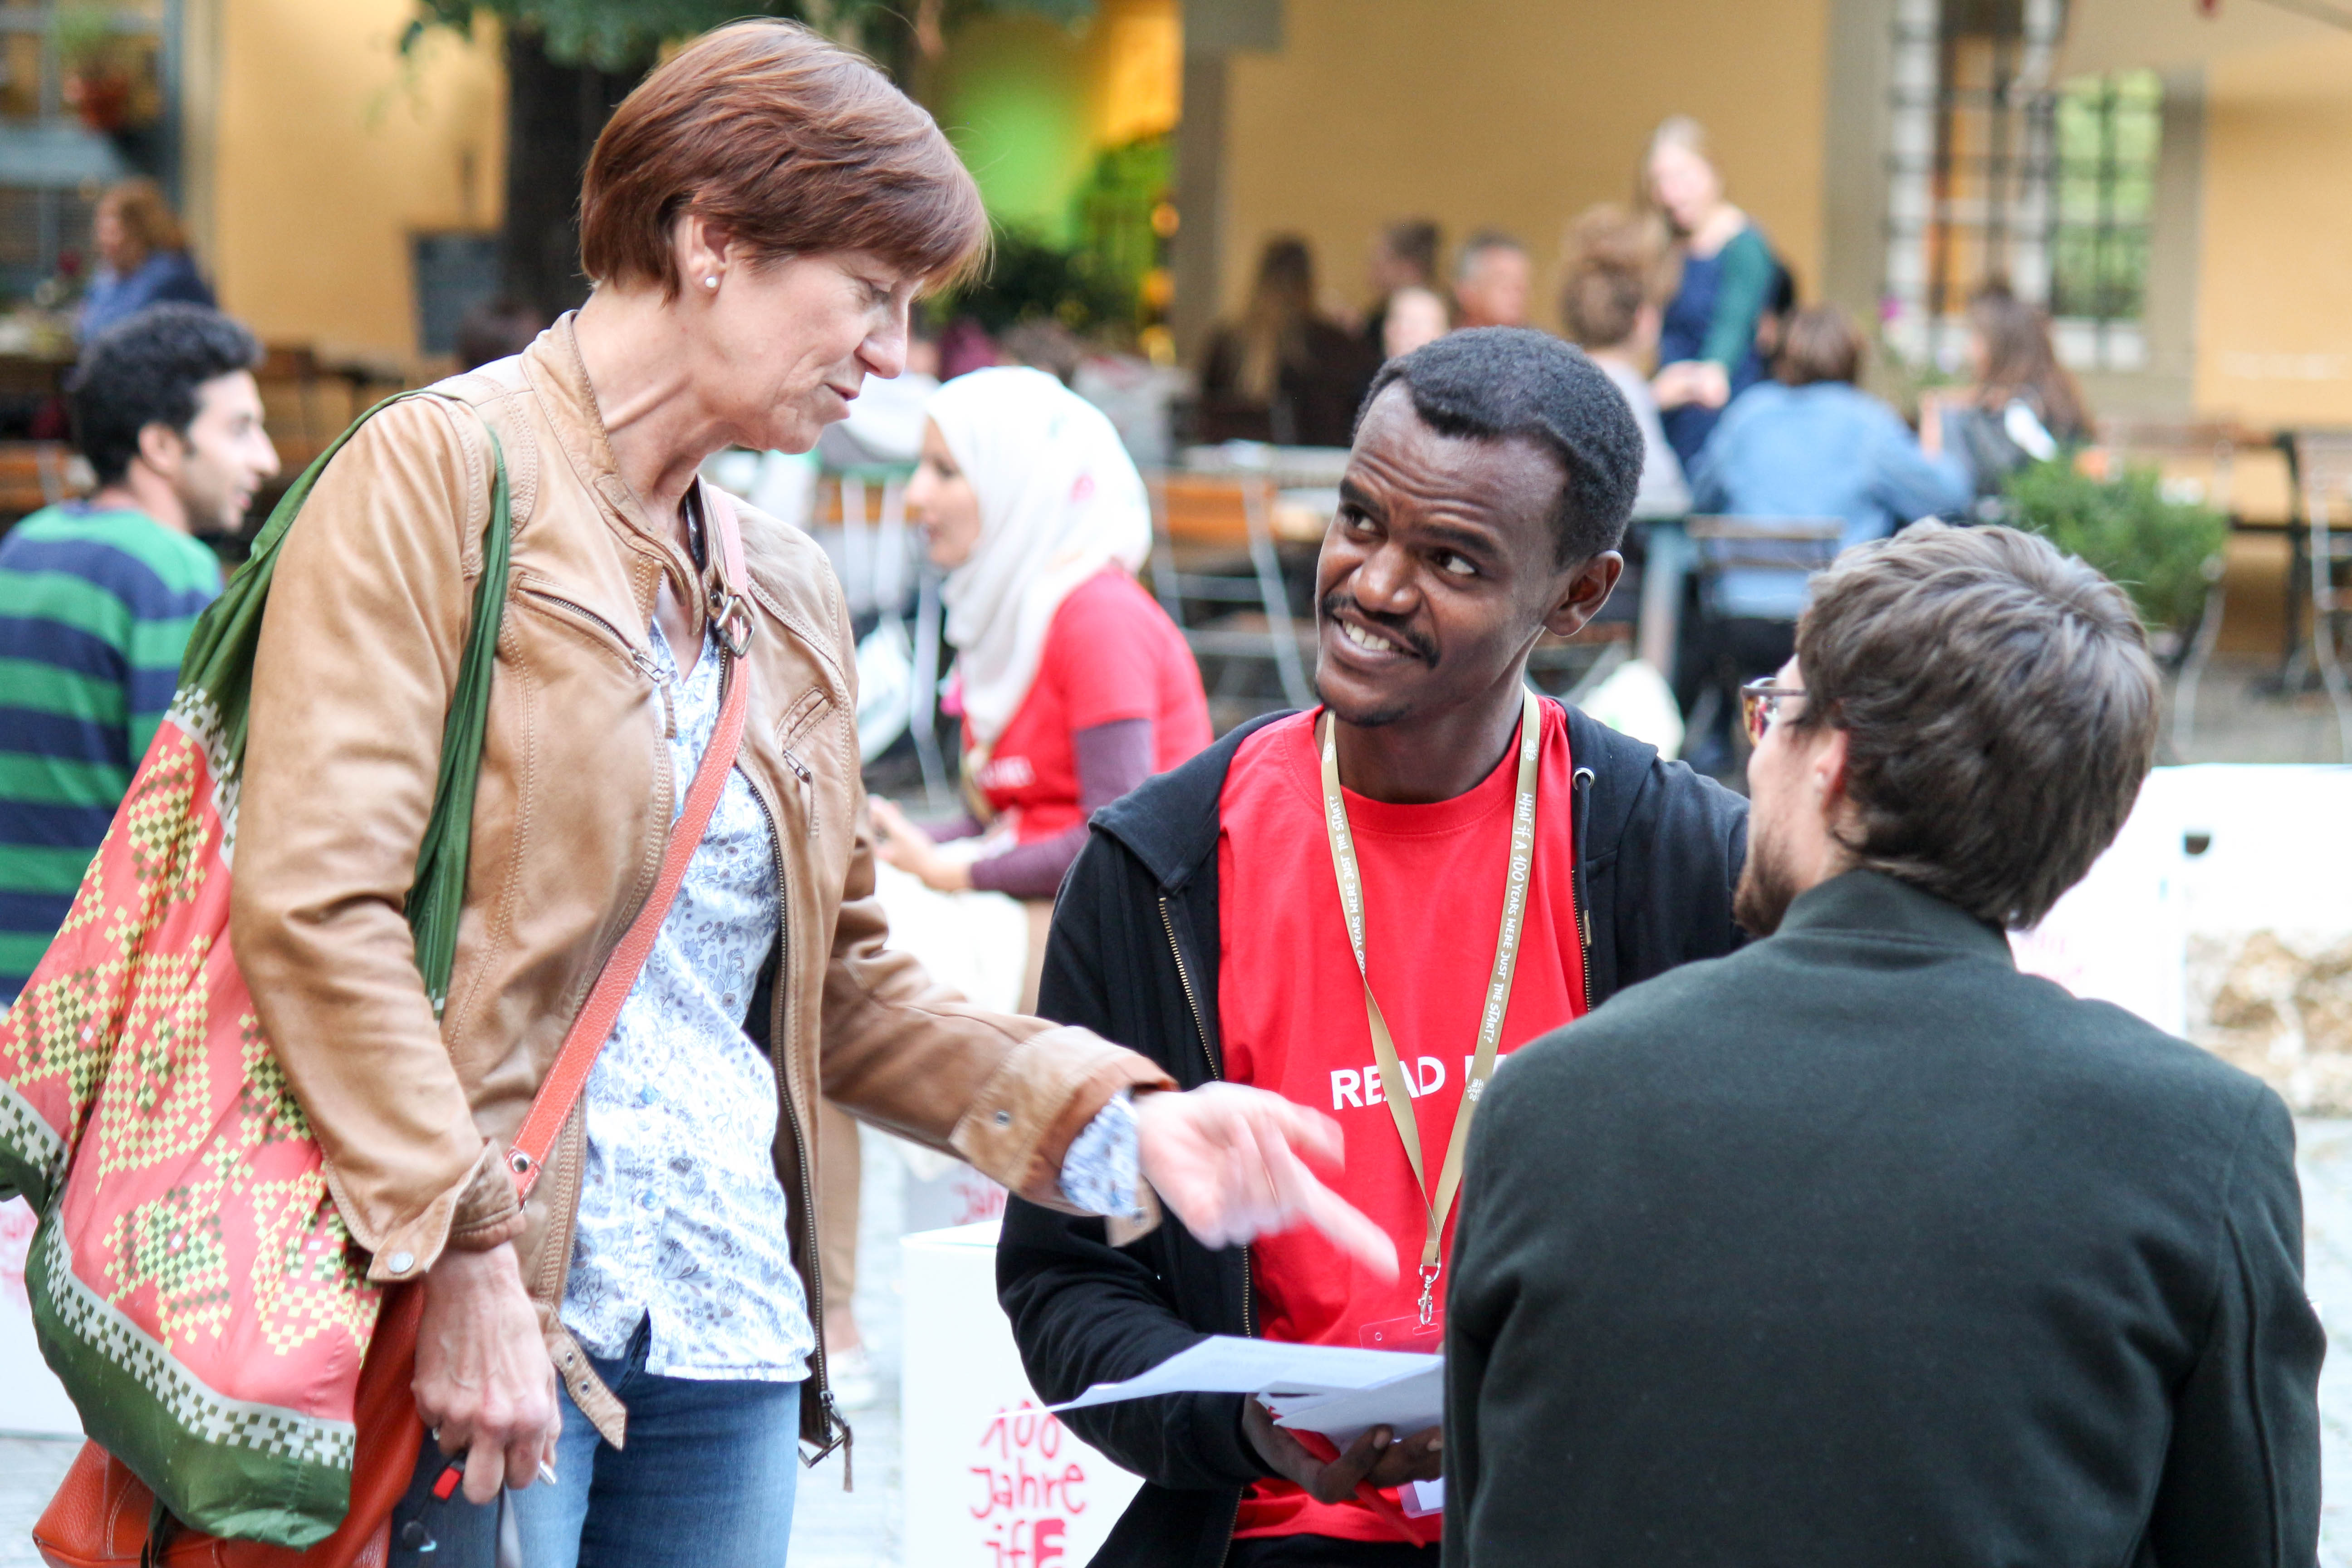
x=2279 y=1006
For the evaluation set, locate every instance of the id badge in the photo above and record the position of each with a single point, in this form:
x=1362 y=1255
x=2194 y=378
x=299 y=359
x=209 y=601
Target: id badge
x=1405 y=1333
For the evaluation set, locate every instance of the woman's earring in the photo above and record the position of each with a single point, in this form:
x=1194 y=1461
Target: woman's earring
x=711 y=281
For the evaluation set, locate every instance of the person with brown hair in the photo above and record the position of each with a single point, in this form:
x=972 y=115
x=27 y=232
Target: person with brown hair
x=759 y=217
x=1877 y=1250
x=1810 y=443
x=1404 y=257
x=1493 y=281
x=142 y=259
x=2022 y=405
x=1607 y=302
x=1283 y=372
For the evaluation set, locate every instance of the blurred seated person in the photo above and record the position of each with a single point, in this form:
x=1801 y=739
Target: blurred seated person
x=1492 y=282
x=1608 y=306
x=496 y=329
x=142 y=259
x=1404 y=257
x=1074 y=686
x=1282 y=373
x=1811 y=444
x=2022 y=406
x=1414 y=316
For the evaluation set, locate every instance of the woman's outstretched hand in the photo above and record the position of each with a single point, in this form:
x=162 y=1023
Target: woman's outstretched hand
x=1226 y=1159
x=900 y=843
x=1698 y=381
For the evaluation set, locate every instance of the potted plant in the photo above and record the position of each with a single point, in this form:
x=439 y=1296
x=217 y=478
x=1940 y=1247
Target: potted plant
x=2165 y=553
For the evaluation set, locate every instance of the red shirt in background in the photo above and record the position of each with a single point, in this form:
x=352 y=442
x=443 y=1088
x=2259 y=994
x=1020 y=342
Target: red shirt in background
x=1291 y=1008
x=1111 y=653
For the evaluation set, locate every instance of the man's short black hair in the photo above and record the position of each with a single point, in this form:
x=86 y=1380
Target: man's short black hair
x=145 y=370
x=1495 y=382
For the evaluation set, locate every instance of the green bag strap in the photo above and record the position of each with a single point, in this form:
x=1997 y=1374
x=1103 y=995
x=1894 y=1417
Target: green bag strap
x=438 y=895
x=216 y=685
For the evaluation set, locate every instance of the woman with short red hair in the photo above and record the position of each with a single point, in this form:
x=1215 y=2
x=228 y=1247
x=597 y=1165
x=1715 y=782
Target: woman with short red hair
x=758 y=218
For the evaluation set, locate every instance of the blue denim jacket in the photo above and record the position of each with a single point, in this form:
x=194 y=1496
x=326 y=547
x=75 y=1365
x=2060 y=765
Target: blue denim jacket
x=1828 y=450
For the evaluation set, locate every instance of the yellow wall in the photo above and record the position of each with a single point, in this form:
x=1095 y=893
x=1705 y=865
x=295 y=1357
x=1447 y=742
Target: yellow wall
x=330 y=149
x=1499 y=113
x=1137 y=52
x=2275 y=279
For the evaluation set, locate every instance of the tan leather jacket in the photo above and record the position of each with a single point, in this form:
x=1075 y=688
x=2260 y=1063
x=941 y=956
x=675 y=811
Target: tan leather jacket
x=357 y=659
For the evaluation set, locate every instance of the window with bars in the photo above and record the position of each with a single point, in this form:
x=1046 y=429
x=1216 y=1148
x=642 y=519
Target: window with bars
x=1970 y=135
x=2108 y=133
x=1997 y=173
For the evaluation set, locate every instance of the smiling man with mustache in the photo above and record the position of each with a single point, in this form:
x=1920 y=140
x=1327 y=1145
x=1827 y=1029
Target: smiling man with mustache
x=1500 y=883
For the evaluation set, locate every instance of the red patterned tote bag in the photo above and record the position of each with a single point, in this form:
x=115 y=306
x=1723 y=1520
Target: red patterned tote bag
x=192 y=1282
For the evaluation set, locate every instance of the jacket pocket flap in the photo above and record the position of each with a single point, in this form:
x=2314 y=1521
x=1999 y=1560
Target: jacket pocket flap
x=812 y=705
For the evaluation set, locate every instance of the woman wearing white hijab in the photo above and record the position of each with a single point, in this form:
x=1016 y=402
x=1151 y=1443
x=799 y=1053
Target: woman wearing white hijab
x=1074 y=685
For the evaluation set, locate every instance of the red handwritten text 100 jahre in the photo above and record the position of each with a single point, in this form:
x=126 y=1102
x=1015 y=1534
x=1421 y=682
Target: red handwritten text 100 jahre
x=1019 y=1479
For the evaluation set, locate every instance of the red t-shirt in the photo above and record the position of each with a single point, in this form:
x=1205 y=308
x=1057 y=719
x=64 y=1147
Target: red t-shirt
x=1111 y=653
x=1292 y=1011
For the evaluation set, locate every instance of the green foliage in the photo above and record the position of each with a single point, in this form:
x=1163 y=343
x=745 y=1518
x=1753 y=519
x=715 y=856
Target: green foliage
x=84 y=35
x=1031 y=281
x=2154 y=549
x=1115 y=206
x=621 y=35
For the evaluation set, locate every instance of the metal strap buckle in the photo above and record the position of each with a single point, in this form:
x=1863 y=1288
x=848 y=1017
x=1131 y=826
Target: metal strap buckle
x=732 y=619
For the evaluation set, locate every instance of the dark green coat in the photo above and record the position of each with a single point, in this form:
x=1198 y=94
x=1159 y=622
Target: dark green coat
x=1859 y=1247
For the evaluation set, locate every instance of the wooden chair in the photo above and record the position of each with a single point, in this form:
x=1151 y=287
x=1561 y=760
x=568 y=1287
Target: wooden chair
x=1199 y=522
x=34 y=474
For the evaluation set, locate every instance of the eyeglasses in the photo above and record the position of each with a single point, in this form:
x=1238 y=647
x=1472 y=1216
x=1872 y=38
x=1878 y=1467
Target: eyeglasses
x=1759 y=706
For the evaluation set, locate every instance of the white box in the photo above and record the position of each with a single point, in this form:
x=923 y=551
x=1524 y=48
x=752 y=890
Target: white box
x=991 y=1479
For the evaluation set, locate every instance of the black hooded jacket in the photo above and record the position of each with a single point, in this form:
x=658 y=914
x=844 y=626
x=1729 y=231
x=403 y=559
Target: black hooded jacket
x=1133 y=956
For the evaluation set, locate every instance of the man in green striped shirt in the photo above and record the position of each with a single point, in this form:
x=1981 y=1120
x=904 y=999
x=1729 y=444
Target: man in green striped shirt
x=98 y=597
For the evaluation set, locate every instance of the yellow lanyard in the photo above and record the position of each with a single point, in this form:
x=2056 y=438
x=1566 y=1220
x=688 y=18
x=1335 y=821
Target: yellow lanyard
x=1498 y=986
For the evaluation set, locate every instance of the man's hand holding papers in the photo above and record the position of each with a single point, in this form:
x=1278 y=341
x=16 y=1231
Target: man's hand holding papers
x=1378 y=1457
x=1352 y=1403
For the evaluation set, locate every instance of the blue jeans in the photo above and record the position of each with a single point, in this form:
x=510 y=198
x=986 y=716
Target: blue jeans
x=706 y=1481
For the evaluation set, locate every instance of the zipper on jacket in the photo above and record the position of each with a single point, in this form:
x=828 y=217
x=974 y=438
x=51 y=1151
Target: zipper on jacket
x=813 y=1280
x=808 y=785
x=1216 y=1071
x=586 y=613
x=1579 y=796
x=660 y=678
x=636 y=655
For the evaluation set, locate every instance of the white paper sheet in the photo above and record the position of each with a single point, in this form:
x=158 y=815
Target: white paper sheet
x=1405 y=1405
x=1331 y=1389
